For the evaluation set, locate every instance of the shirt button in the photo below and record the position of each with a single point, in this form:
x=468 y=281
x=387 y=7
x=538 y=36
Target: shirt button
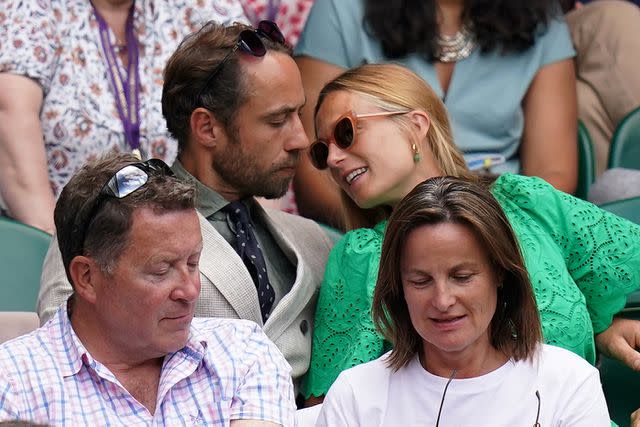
x=304 y=327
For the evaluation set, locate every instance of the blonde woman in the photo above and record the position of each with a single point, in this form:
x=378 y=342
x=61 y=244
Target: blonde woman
x=381 y=131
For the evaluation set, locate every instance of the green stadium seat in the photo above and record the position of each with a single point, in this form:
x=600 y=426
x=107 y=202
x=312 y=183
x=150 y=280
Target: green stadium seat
x=625 y=144
x=586 y=162
x=22 y=250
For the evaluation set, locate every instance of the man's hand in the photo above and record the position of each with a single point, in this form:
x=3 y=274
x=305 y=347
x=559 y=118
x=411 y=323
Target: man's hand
x=635 y=418
x=620 y=341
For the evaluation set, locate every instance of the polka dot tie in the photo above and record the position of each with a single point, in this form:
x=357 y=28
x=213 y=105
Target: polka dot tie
x=248 y=248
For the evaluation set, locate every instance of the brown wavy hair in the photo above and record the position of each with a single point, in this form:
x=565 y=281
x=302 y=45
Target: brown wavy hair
x=189 y=68
x=515 y=327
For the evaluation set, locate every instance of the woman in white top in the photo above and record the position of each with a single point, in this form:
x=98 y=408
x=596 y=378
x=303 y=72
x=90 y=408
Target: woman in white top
x=454 y=299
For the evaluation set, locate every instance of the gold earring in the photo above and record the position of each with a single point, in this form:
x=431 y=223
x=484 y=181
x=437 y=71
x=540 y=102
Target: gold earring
x=416 y=153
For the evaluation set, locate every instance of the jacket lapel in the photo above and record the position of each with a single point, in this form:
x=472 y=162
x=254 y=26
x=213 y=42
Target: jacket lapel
x=302 y=290
x=223 y=267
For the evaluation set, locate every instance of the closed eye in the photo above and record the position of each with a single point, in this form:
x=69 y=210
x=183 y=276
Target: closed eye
x=463 y=278
x=277 y=124
x=159 y=273
x=280 y=119
x=419 y=282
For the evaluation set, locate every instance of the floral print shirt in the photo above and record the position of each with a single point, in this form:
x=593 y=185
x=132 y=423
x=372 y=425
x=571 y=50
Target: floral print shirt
x=290 y=15
x=56 y=43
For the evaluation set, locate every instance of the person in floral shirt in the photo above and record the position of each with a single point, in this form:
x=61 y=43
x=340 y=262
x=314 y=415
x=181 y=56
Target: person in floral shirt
x=57 y=103
x=290 y=15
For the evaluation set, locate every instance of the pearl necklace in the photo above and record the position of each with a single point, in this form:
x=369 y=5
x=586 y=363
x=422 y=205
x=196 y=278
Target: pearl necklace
x=456 y=47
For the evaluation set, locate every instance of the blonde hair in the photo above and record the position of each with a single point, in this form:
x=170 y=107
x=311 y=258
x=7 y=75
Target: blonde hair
x=393 y=87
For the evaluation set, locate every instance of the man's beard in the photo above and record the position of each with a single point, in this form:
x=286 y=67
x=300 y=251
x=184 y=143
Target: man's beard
x=240 y=170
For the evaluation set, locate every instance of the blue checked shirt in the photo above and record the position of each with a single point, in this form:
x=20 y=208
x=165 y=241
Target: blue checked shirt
x=229 y=370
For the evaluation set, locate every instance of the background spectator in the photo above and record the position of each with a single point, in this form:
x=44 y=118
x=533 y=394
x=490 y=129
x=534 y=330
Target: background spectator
x=57 y=103
x=290 y=15
x=606 y=36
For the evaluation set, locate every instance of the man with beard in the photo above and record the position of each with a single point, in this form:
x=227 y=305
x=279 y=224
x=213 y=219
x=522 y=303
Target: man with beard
x=232 y=98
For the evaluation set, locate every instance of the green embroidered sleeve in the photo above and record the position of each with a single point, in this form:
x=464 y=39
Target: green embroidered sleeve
x=583 y=261
x=344 y=335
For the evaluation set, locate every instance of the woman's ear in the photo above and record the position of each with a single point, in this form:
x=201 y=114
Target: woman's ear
x=205 y=129
x=421 y=122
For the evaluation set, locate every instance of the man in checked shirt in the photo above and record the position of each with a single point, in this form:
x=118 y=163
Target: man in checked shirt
x=125 y=349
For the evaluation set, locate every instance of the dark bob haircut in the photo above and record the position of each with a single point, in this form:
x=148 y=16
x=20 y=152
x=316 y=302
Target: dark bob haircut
x=515 y=327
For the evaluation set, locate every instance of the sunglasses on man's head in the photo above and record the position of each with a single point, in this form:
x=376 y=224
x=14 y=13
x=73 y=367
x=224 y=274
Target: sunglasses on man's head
x=125 y=181
x=344 y=135
x=249 y=41
x=132 y=177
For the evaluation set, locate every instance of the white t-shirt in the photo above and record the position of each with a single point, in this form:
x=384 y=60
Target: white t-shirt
x=373 y=395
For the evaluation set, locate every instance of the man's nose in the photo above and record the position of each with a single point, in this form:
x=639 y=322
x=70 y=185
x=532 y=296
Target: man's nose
x=188 y=289
x=298 y=140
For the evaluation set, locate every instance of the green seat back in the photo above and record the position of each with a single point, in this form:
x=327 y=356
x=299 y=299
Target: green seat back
x=586 y=162
x=626 y=208
x=625 y=144
x=621 y=384
x=22 y=250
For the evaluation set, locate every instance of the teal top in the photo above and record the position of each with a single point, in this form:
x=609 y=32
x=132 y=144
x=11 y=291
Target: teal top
x=582 y=261
x=484 y=99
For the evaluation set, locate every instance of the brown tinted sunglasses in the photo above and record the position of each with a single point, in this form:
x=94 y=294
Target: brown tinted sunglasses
x=343 y=135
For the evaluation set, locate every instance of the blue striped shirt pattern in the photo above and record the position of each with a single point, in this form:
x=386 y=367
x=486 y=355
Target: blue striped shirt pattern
x=229 y=370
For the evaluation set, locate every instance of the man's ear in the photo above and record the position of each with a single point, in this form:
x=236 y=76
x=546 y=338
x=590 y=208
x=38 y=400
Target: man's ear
x=205 y=129
x=421 y=122
x=84 y=274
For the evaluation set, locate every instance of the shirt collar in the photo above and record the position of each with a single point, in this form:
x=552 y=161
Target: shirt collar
x=194 y=350
x=71 y=353
x=197 y=340
x=208 y=201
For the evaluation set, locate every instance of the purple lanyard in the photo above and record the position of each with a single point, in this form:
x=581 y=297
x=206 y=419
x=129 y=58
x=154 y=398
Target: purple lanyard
x=126 y=90
x=272 y=12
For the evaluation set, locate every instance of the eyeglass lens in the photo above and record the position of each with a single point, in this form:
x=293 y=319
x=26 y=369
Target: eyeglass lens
x=249 y=41
x=343 y=133
x=127 y=180
x=319 y=153
x=132 y=177
x=270 y=30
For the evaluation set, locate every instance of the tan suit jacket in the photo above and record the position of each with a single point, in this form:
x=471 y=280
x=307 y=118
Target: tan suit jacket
x=227 y=287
